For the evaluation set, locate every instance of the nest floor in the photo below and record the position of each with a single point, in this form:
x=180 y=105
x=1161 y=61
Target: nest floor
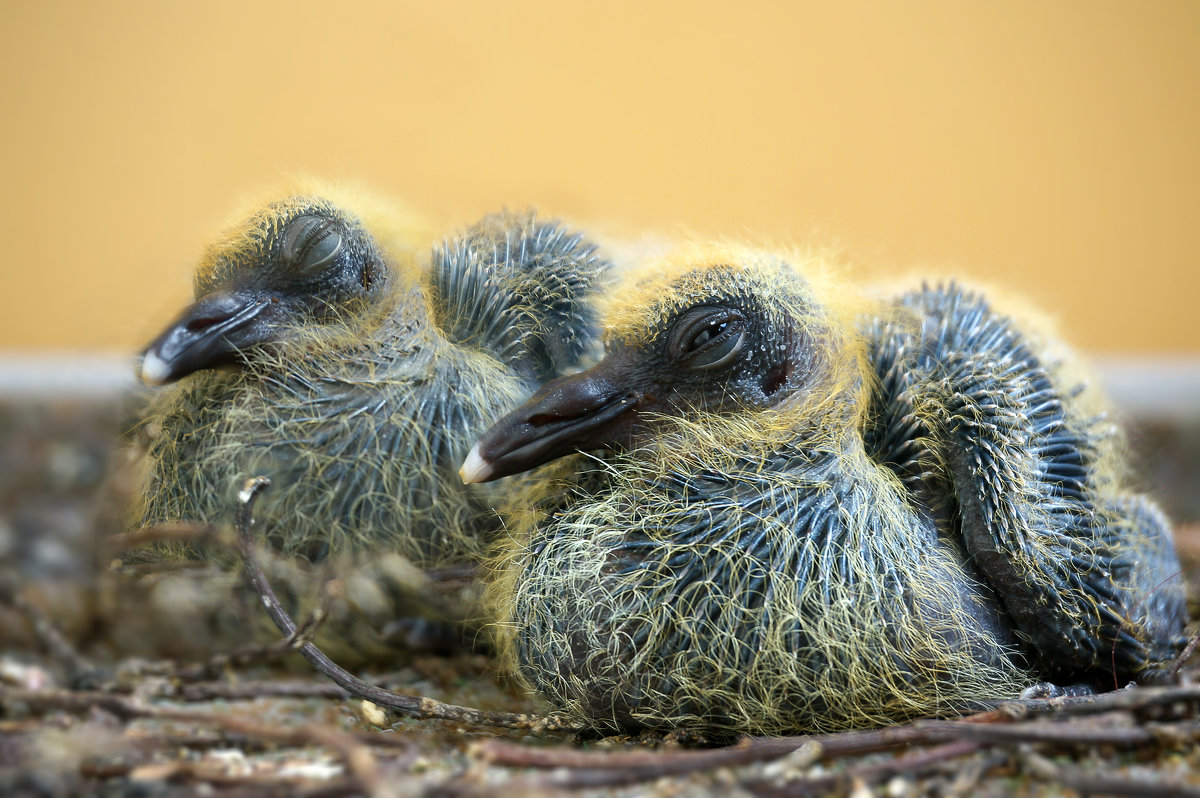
x=83 y=715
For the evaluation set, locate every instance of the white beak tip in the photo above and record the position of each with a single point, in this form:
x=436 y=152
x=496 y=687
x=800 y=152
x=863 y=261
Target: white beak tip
x=475 y=468
x=155 y=370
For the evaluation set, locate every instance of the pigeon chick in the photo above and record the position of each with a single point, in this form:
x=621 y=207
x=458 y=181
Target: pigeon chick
x=323 y=353
x=818 y=512
x=355 y=379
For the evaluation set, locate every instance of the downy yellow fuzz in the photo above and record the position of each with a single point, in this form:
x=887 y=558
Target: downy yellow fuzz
x=819 y=512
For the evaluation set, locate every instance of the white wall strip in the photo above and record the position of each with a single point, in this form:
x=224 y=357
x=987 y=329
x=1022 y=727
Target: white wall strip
x=1140 y=386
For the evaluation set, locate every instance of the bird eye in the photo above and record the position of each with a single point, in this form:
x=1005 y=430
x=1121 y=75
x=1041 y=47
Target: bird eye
x=311 y=243
x=708 y=337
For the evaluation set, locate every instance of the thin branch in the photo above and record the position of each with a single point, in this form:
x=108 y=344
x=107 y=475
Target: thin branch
x=598 y=768
x=1185 y=654
x=217 y=665
x=126 y=708
x=1091 y=781
x=1128 y=698
x=242 y=691
x=1064 y=733
x=46 y=632
x=191 y=532
x=910 y=764
x=611 y=769
x=418 y=707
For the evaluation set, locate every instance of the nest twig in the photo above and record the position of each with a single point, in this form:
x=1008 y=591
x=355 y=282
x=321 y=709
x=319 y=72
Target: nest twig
x=419 y=707
x=1073 y=743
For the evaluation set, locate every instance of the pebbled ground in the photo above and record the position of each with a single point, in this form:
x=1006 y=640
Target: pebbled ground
x=81 y=715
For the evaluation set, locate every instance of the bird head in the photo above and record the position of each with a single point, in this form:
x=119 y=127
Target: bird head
x=710 y=332
x=298 y=261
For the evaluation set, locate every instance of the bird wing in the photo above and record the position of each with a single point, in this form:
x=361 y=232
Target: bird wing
x=519 y=288
x=995 y=440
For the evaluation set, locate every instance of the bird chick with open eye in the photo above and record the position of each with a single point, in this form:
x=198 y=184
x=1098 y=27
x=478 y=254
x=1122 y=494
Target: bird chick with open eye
x=322 y=354
x=819 y=512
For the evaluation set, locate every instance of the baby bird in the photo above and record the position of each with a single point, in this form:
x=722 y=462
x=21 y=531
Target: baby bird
x=320 y=353
x=820 y=512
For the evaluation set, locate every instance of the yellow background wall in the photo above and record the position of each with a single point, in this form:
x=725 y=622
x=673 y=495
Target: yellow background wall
x=1052 y=147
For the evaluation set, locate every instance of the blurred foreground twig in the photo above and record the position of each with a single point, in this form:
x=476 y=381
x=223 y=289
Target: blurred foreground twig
x=414 y=706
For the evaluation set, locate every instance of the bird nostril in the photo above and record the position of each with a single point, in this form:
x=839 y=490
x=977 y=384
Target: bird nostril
x=202 y=323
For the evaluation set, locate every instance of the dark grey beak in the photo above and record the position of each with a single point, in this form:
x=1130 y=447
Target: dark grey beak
x=581 y=412
x=206 y=334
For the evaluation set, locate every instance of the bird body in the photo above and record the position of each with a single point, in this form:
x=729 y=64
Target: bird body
x=324 y=354
x=819 y=513
x=359 y=442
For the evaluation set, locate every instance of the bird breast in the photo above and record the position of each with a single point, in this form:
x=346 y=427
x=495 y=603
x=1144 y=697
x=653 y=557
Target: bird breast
x=797 y=593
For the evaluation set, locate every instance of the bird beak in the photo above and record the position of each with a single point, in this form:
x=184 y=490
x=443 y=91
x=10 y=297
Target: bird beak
x=580 y=412
x=208 y=333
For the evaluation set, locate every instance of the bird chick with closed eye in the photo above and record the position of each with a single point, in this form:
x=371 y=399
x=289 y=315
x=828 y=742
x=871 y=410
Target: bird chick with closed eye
x=357 y=382
x=323 y=353
x=819 y=512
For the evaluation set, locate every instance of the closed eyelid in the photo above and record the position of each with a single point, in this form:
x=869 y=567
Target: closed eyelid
x=307 y=234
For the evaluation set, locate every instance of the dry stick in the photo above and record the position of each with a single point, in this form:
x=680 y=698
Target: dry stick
x=216 y=666
x=1090 y=782
x=910 y=764
x=951 y=739
x=673 y=765
x=418 y=707
x=159 y=568
x=217 y=777
x=350 y=747
x=640 y=766
x=223 y=691
x=836 y=745
x=967 y=774
x=1187 y=652
x=166 y=532
x=125 y=708
x=1068 y=734
x=594 y=769
x=46 y=632
x=1129 y=698
x=603 y=769
x=459 y=572
x=250 y=786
